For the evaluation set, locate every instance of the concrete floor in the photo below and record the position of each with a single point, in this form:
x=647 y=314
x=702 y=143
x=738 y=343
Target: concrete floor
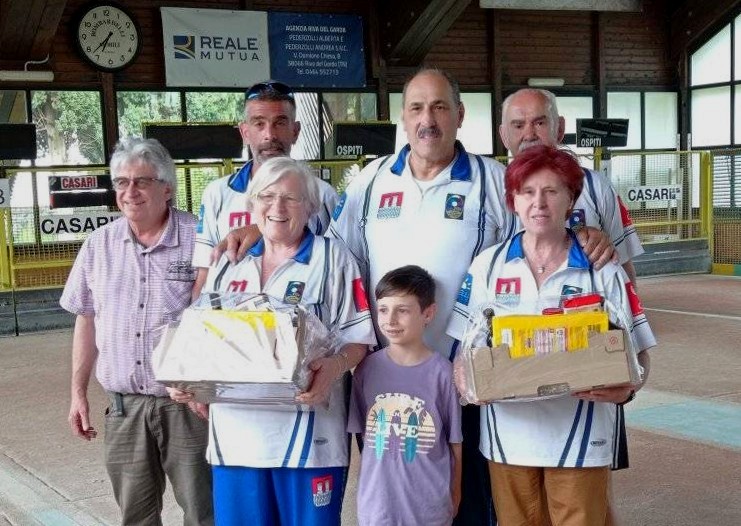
x=685 y=426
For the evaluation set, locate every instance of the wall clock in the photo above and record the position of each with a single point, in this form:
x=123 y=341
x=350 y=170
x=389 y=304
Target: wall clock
x=107 y=36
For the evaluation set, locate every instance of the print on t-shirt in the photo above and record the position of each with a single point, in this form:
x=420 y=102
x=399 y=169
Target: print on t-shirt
x=399 y=424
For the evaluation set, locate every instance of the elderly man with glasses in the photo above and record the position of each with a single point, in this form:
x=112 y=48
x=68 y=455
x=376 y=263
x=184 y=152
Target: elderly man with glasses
x=131 y=278
x=269 y=129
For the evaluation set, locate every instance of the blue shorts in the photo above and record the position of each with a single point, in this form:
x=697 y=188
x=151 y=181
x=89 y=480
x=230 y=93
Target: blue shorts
x=278 y=496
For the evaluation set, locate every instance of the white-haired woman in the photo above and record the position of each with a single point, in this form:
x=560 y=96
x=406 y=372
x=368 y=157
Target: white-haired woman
x=277 y=466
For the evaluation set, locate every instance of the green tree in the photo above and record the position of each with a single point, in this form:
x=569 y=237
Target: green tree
x=138 y=107
x=215 y=107
x=68 y=120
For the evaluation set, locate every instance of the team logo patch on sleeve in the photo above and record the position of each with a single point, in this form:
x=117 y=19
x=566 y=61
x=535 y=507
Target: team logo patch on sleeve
x=454 y=206
x=389 y=206
x=199 y=226
x=237 y=286
x=635 y=302
x=239 y=219
x=339 y=206
x=321 y=490
x=507 y=291
x=464 y=293
x=359 y=296
x=577 y=219
x=624 y=214
x=294 y=292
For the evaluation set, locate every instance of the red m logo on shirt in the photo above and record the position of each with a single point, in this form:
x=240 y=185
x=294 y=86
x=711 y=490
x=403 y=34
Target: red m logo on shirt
x=391 y=199
x=238 y=219
x=237 y=286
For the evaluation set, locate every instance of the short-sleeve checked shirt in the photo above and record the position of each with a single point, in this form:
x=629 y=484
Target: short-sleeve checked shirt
x=133 y=292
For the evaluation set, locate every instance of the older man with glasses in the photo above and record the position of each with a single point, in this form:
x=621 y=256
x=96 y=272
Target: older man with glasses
x=269 y=129
x=130 y=279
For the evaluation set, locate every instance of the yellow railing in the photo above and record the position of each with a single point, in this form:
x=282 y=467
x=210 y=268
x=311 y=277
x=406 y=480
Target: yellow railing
x=32 y=259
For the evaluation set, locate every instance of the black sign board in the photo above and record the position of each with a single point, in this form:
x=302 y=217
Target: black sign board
x=595 y=133
x=17 y=141
x=362 y=138
x=197 y=141
x=80 y=190
x=61 y=183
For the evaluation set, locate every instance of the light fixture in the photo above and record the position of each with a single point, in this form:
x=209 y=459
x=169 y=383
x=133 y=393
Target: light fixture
x=545 y=82
x=28 y=76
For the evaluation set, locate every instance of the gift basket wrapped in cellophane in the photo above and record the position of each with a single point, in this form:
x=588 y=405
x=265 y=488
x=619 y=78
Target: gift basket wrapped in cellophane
x=561 y=350
x=244 y=348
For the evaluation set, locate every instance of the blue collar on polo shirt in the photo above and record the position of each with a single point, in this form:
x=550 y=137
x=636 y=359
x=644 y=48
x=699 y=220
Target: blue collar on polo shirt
x=239 y=181
x=303 y=255
x=577 y=257
x=461 y=170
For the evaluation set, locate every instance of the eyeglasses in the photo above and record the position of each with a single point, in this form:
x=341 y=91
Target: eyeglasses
x=268 y=87
x=269 y=198
x=122 y=183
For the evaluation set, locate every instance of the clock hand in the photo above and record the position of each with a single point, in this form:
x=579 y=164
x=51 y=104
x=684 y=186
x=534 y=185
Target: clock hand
x=104 y=43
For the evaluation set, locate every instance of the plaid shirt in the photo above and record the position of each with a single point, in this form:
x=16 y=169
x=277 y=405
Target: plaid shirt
x=133 y=292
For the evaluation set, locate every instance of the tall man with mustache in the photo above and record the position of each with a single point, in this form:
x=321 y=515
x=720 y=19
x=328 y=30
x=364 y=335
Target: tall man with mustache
x=269 y=129
x=434 y=205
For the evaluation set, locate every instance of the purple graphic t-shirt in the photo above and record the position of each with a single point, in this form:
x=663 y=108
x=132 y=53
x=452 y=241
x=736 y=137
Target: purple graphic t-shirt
x=409 y=416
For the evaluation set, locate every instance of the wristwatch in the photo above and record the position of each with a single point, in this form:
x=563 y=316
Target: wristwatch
x=630 y=398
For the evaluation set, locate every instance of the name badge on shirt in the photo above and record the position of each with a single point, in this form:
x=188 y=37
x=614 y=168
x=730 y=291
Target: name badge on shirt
x=577 y=219
x=454 y=206
x=180 y=271
x=294 y=292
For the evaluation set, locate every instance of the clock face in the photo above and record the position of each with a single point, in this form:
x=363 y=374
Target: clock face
x=107 y=37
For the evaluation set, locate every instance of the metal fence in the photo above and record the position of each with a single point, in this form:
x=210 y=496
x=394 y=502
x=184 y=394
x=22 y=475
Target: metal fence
x=671 y=196
x=727 y=210
x=666 y=193
x=38 y=243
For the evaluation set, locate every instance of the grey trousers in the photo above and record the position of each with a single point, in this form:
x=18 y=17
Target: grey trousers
x=146 y=439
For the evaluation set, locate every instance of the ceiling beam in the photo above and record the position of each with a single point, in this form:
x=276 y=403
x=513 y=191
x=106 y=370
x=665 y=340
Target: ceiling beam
x=410 y=29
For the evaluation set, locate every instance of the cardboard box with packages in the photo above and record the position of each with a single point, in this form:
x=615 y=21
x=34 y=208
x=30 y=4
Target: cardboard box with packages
x=533 y=357
x=495 y=375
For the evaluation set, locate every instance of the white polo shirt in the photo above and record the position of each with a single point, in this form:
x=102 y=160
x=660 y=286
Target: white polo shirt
x=388 y=219
x=561 y=432
x=600 y=207
x=323 y=277
x=224 y=208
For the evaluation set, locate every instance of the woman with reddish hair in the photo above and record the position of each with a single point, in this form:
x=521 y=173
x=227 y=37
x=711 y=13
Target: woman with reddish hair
x=549 y=460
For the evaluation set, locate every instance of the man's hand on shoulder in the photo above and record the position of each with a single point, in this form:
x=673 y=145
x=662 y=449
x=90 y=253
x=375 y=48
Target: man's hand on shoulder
x=597 y=246
x=236 y=244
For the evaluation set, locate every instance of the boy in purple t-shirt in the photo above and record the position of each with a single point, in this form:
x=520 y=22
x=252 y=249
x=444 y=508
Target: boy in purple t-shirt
x=405 y=405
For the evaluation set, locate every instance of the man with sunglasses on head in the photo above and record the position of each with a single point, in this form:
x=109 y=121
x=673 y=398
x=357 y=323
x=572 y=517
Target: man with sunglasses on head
x=131 y=278
x=269 y=129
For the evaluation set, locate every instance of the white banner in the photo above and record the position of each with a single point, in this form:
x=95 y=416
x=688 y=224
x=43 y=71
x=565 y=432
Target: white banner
x=215 y=47
x=79 y=223
x=640 y=194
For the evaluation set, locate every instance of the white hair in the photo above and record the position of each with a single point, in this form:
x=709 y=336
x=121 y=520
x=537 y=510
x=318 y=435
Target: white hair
x=551 y=108
x=275 y=169
x=148 y=151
